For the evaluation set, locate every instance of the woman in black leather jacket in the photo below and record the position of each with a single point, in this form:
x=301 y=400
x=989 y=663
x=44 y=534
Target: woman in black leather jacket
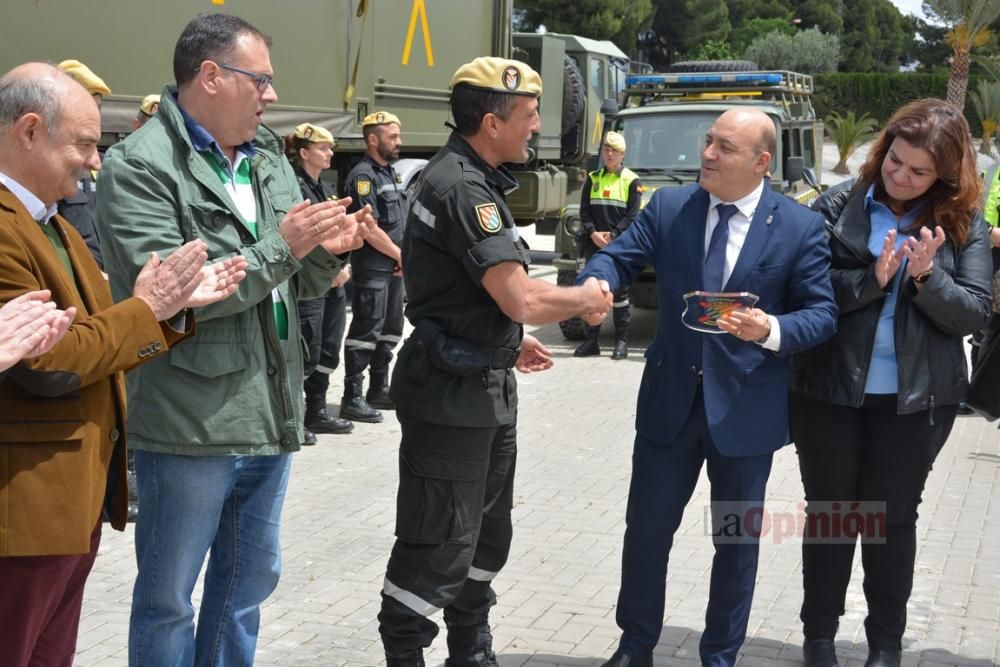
x=871 y=408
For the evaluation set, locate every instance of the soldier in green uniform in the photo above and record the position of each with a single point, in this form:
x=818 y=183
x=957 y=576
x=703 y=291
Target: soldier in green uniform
x=453 y=385
x=609 y=203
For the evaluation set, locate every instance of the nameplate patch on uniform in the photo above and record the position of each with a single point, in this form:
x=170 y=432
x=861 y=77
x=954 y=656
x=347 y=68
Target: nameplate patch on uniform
x=364 y=187
x=489 y=218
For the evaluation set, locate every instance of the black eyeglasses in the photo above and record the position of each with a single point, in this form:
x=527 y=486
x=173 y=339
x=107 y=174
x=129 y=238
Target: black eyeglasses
x=262 y=80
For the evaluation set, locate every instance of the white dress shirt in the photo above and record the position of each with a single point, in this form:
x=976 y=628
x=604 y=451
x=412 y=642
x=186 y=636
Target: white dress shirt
x=36 y=207
x=739 y=227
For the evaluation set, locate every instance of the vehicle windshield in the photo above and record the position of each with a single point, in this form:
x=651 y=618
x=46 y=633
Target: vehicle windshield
x=670 y=141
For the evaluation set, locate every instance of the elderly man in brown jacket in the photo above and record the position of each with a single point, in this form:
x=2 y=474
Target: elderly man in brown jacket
x=62 y=427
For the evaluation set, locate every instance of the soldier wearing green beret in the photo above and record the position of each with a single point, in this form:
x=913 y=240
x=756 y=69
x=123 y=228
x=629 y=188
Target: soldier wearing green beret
x=469 y=294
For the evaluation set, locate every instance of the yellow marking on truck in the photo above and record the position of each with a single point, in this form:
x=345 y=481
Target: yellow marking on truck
x=595 y=137
x=218 y=2
x=419 y=7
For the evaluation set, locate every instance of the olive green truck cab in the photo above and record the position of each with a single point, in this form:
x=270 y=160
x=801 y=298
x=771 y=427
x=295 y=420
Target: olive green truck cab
x=335 y=61
x=664 y=122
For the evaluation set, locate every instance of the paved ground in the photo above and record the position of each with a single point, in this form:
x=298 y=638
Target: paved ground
x=557 y=594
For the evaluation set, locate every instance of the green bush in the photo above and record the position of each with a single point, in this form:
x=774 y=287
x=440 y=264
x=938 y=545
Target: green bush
x=808 y=51
x=880 y=94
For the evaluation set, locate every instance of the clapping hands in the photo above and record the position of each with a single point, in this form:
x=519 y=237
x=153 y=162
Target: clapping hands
x=31 y=325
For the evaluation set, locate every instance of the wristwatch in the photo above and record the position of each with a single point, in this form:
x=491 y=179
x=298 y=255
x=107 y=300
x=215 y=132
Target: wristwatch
x=923 y=277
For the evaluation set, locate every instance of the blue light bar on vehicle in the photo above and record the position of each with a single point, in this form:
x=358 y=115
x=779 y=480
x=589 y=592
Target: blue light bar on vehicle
x=728 y=78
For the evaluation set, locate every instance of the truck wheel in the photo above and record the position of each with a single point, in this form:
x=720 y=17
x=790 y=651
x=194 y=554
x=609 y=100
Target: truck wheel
x=574 y=96
x=713 y=66
x=575 y=328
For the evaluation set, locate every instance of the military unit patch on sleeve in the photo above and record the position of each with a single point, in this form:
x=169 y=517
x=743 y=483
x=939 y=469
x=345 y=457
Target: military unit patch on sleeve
x=489 y=218
x=364 y=187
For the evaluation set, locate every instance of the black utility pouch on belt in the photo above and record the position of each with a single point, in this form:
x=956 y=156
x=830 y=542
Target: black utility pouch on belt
x=459 y=357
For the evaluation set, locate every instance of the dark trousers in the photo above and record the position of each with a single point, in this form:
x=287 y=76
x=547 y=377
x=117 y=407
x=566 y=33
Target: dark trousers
x=323 y=323
x=40 y=601
x=866 y=454
x=376 y=322
x=663 y=479
x=453 y=529
x=621 y=310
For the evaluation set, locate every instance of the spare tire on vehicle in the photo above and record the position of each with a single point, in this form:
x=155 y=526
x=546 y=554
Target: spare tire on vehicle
x=574 y=96
x=713 y=66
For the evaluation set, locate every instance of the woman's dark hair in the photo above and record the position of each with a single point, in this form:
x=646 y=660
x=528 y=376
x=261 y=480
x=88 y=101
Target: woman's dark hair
x=293 y=145
x=939 y=128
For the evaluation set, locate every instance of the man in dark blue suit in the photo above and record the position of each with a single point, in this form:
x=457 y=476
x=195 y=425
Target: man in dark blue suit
x=717 y=399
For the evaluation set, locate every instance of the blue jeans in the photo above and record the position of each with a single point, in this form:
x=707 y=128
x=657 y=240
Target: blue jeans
x=231 y=504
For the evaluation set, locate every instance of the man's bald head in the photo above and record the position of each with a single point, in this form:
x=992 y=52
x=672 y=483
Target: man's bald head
x=37 y=88
x=737 y=153
x=49 y=129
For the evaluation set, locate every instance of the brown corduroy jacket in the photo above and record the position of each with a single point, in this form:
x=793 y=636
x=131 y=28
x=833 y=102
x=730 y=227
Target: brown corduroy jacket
x=62 y=415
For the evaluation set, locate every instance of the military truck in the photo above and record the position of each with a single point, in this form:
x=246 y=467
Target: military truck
x=665 y=122
x=335 y=61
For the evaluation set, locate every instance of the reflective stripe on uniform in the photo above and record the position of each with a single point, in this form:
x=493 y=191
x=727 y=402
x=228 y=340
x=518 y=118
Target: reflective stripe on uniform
x=409 y=599
x=620 y=304
x=324 y=369
x=388 y=339
x=481 y=575
x=607 y=202
x=423 y=215
x=364 y=345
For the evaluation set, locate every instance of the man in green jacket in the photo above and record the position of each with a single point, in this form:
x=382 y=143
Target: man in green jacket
x=214 y=422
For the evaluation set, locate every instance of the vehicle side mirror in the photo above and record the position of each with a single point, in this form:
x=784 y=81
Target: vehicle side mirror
x=794 y=168
x=809 y=176
x=609 y=108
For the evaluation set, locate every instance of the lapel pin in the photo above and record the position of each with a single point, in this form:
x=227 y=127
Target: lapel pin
x=769 y=220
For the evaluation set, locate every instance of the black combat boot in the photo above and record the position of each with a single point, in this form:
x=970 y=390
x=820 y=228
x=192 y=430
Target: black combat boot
x=819 y=653
x=308 y=438
x=621 y=345
x=354 y=406
x=470 y=646
x=318 y=420
x=408 y=659
x=883 y=657
x=378 y=392
x=589 y=348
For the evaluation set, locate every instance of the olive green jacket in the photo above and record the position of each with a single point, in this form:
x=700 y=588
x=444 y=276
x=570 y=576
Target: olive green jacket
x=235 y=387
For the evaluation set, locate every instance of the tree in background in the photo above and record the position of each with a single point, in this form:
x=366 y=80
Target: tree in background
x=741 y=11
x=969 y=28
x=713 y=49
x=822 y=14
x=617 y=20
x=848 y=132
x=986 y=101
x=742 y=37
x=808 y=51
